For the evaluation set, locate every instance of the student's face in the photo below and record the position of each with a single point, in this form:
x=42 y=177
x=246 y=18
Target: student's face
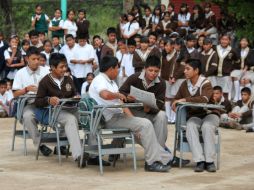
x=163 y=8
x=112 y=37
x=42 y=61
x=195 y=11
x=38 y=10
x=89 y=79
x=26 y=37
x=55 y=42
x=217 y=95
x=82 y=42
x=9 y=85
x=177 y=47
x=42 y=37
x=244 y=43
x=13 y=43
x=97 y=42
x=70 y=42
x=224 y=41
x=200 y=41
x=137 y=40
x=207 y=47
x=190 y=43
x=147 y=12
x=161 y=44
x=3 y=89
x=71 y=15
x=189 y=72
x=166 y=17
x=48 y=47
x=25 y=46
x=58 y=14
x=81 y=15
x=245 y=97
x=207 y=9
x=34 y=40
x=151 y=73
x=113 y=73
x=152 y=40
x=122 y=48
x=131 y=49
x=60 y=70
x=130 y=18
x=170 y=9
x=168 y=48
x=157 y=12
x=33 y=62
x=143 y=46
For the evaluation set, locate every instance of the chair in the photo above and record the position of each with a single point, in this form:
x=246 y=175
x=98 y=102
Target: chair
x=181 y=144
x=51 y=124
x=19 y=104
x=91 y=121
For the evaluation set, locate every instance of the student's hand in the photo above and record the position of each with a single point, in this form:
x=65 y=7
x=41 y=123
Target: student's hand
x=233 y=115
x=131 y=98
x=146 y=108
x=174 y=104
x=31 y=88
x=121 y=97
x=54 y=101
x=74 y=61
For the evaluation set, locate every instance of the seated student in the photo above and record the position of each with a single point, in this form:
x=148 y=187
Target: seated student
x=242 y=112
x=249 y=127
x=4 y=99
x=43 y=61
x=47 y=46
x=53 y=87
x=86 y=85
x=105 y=92
x=9 y=88
x=197 y=89
x=26 y=82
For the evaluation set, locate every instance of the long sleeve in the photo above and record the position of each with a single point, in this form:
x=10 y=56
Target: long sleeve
x=41 y=99
x=206 y=94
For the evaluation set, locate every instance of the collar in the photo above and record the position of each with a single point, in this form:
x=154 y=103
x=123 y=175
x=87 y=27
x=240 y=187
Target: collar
x=30 y=72
x=221 y=100
x=190 y=50
x=54 y=19
x=208 y=53
x=9 y=49
x=107 y=78
x=198 y=83
x=142 y=77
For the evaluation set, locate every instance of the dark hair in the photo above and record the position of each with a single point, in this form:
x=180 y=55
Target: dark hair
x=57 y=9
x=33 y=33
x=147 y=7
x=246 y=90
x=71 y=10
x=3 y=82
x=56 y=58
x=47 y=41
x=43 y=56
x=137 y=36
x=25 y=42
x=32 y=51
x=69 y=36
x=41 y=33
x=195 y=64
x=82 y=36
x=131 y=42
x=225 y=34
x=55 y=37
x=153 y=61
x=144 y=39
x=96 y=36
x=108 y=62
x=217 y=88
x=168 y=41
x=90 y=74
x=38 y=5
x=82 y=11
x=111 y=30
x=171 y=5
x=152 y=34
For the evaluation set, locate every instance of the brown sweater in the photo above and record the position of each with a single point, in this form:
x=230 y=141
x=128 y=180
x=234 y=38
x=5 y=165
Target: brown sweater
x=105 y=50
x=168 y=66
x=209 y=63
x=158 y=89
x=48 y=88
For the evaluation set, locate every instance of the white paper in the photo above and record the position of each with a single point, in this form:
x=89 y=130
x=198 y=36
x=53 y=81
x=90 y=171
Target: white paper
x=145 y=97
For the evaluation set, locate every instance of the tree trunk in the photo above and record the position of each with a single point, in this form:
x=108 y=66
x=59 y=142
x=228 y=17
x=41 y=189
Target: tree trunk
x=6 y=6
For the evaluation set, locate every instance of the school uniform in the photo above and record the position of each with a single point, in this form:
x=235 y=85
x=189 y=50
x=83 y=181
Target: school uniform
x=61 y=88
x=209 y=65
x=83 y=27
x=57 y=22
x=71 y=27
x=105 y=50
x=166 y=28
x=3 y=47
x=130 y=28
x=193 y=53
x=41 y=25
x=198 y=119
x=5 y=99
x=148 y=24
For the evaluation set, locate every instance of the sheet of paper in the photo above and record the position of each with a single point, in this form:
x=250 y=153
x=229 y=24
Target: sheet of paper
x=145 y=97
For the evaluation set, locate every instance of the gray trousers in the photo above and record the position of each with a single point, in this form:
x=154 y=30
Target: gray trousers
x=159 y=122
x=153 y=150
x=207 y=125
x=65 y=118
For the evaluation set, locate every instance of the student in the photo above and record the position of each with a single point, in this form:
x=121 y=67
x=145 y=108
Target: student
x=25 y=44
x=69 y=25
x=56 y=25
x=34 y=40
x=165 y=26
x=148 y=21
x=26 y=82
x=40 y=20
x=14 y=59
x=111 y=42
x=47 y=46
x=173 y=15
x=53 y=87
x=120 y=26
x=131 y=27
x=9 y=88
x=183 y=19
x=42 y=37
x=208 y=59
x=197 y=89
x=169 y=57
x=56 y=45
x=5 y=99
x=82 y=23
x=190 y=46
x=84 y=61
x=241 y=113
x=87 y=83
x=3 y=47
x=105 y=91
x=156 y=17
x=227 y=62
x=43 y=61
x=197 y=18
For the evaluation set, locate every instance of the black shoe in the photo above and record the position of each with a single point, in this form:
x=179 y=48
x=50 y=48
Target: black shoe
x=95 y=161
x=46 y=151
x=63 y=150
x=200 y=167
x=175 y=162
x=157 y=167
x=85 y=158
x=249 y=130
x=210 y=167
x=113 y=157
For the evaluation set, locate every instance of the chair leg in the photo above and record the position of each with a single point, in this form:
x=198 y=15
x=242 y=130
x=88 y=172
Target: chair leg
x=134 y=153
x=181 y=149
x=38 y=146
x=218 y=151
x=100 y=153
x=175 y=143
x=67 y=152
x=14 y=134
x=24 y=139
x=82 y=150
x=58 y=146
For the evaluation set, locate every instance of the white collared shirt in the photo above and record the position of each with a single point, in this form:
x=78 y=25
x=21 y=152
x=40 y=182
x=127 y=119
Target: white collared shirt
x=129 y=28
x=47 y=56
x=61 y=23
x=127 y=64
x=4 y=98
x=71 y=27
x=102 y=82
x=69 y=54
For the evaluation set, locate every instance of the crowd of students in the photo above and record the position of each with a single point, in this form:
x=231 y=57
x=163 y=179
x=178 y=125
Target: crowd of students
x=177 y=56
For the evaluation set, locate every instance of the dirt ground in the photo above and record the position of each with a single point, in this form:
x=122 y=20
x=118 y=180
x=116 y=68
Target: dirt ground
x=24 y=172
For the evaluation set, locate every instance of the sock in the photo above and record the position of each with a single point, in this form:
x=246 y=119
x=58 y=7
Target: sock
x=237 y=89
x=168 y=110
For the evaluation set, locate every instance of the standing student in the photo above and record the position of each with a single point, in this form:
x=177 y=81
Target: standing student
x=3 y=47
x=165 y=26
x=190 y=46
x=148 y=21
x=40 y=20
x=34 y=40
x=131 y=28
x=197 y=89
x=156 y=17
x=56 y=25
x=26 y=82
x=14 y=59
x=111 y=41
x=82 y=23
x=69 y=25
